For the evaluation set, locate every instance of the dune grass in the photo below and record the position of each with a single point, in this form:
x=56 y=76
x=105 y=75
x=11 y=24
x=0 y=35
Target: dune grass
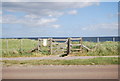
x=93 y=61
x=107 y=48
x=15 y=49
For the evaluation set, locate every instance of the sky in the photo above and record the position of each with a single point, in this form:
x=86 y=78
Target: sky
x=59 y=19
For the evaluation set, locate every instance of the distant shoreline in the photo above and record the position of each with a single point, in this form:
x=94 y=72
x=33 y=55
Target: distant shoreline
x=90 y=39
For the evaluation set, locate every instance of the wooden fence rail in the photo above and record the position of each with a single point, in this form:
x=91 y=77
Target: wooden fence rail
x=54 y=46
x=64 y=45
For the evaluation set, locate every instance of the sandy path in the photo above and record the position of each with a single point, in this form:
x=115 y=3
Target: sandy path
x=54 y=58
x=61 y=72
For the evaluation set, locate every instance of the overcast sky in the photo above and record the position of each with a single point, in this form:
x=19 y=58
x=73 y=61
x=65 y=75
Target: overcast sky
x=33 y=19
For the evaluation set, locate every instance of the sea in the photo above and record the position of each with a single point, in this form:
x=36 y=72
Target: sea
x=90 y=39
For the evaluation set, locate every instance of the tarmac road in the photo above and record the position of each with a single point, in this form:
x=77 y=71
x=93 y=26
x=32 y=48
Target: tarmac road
x=61 y=72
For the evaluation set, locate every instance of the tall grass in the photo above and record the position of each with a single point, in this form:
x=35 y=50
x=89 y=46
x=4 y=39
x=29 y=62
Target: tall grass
x=15 y=49
x=102 y=48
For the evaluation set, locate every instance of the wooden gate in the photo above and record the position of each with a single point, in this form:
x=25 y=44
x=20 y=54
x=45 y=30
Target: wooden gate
x=61 y=46
x=75 y=45
x=54 y=46
x=58 y=46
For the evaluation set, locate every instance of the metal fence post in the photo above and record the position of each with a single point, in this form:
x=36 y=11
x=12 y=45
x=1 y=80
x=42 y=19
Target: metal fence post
x=98 y=39
x=113 y=39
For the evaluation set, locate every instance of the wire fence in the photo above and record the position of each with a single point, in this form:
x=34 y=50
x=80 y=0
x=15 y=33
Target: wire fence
x=21 y=47
x=26 y=44
x=17 y=45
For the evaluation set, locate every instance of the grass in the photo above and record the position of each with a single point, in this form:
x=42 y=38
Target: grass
x=107 y=48
x=14 y=49
x=93 y=61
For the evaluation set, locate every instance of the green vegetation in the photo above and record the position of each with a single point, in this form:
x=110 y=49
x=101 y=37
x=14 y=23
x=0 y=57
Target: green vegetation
x=93 y=61
x=17 y=49
x=107 y=48
x=14 y=47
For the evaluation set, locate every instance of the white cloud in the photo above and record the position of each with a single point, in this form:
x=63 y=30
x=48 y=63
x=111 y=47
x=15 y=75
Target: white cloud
x=0 y=19
x=0 y=16
x=103 y=27
x=56 y=26
x=9 y=19
x=40 y=13
x=46 y=21
x=109 y=26
x=52 y=13
x=44 y=9
x=73 y=12
x=28 y=20
x=60 y=1
x=52 y=0
x=0 y=12
x=31 y=16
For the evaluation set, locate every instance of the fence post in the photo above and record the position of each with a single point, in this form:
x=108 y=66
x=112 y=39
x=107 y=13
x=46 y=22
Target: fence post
x=98 y=39
x=113 y=39
x=68 y=46
x=21 y=41
x=51 y=46
x=81 y=44
x=38 y=45
x=7 y=45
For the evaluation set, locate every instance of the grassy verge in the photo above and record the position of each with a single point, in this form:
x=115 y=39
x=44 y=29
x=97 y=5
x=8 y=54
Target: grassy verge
x=93 y=61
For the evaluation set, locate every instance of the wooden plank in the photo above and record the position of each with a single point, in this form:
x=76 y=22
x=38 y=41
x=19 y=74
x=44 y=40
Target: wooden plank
x=59 y=43
x=75 y=44
x=55 y=43
x=59 y=39
x=76 y=49
x=75 y=52
x=86 y=47
x=76 y=39
x=59 y=47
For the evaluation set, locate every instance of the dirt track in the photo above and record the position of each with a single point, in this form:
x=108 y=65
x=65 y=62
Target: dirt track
x=61 y=72
x=54 y=58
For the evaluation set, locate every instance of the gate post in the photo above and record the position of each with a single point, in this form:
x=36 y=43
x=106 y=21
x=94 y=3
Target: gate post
x=38 y=45
x=68 y=46
x=50 y=45
x=80 y=44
